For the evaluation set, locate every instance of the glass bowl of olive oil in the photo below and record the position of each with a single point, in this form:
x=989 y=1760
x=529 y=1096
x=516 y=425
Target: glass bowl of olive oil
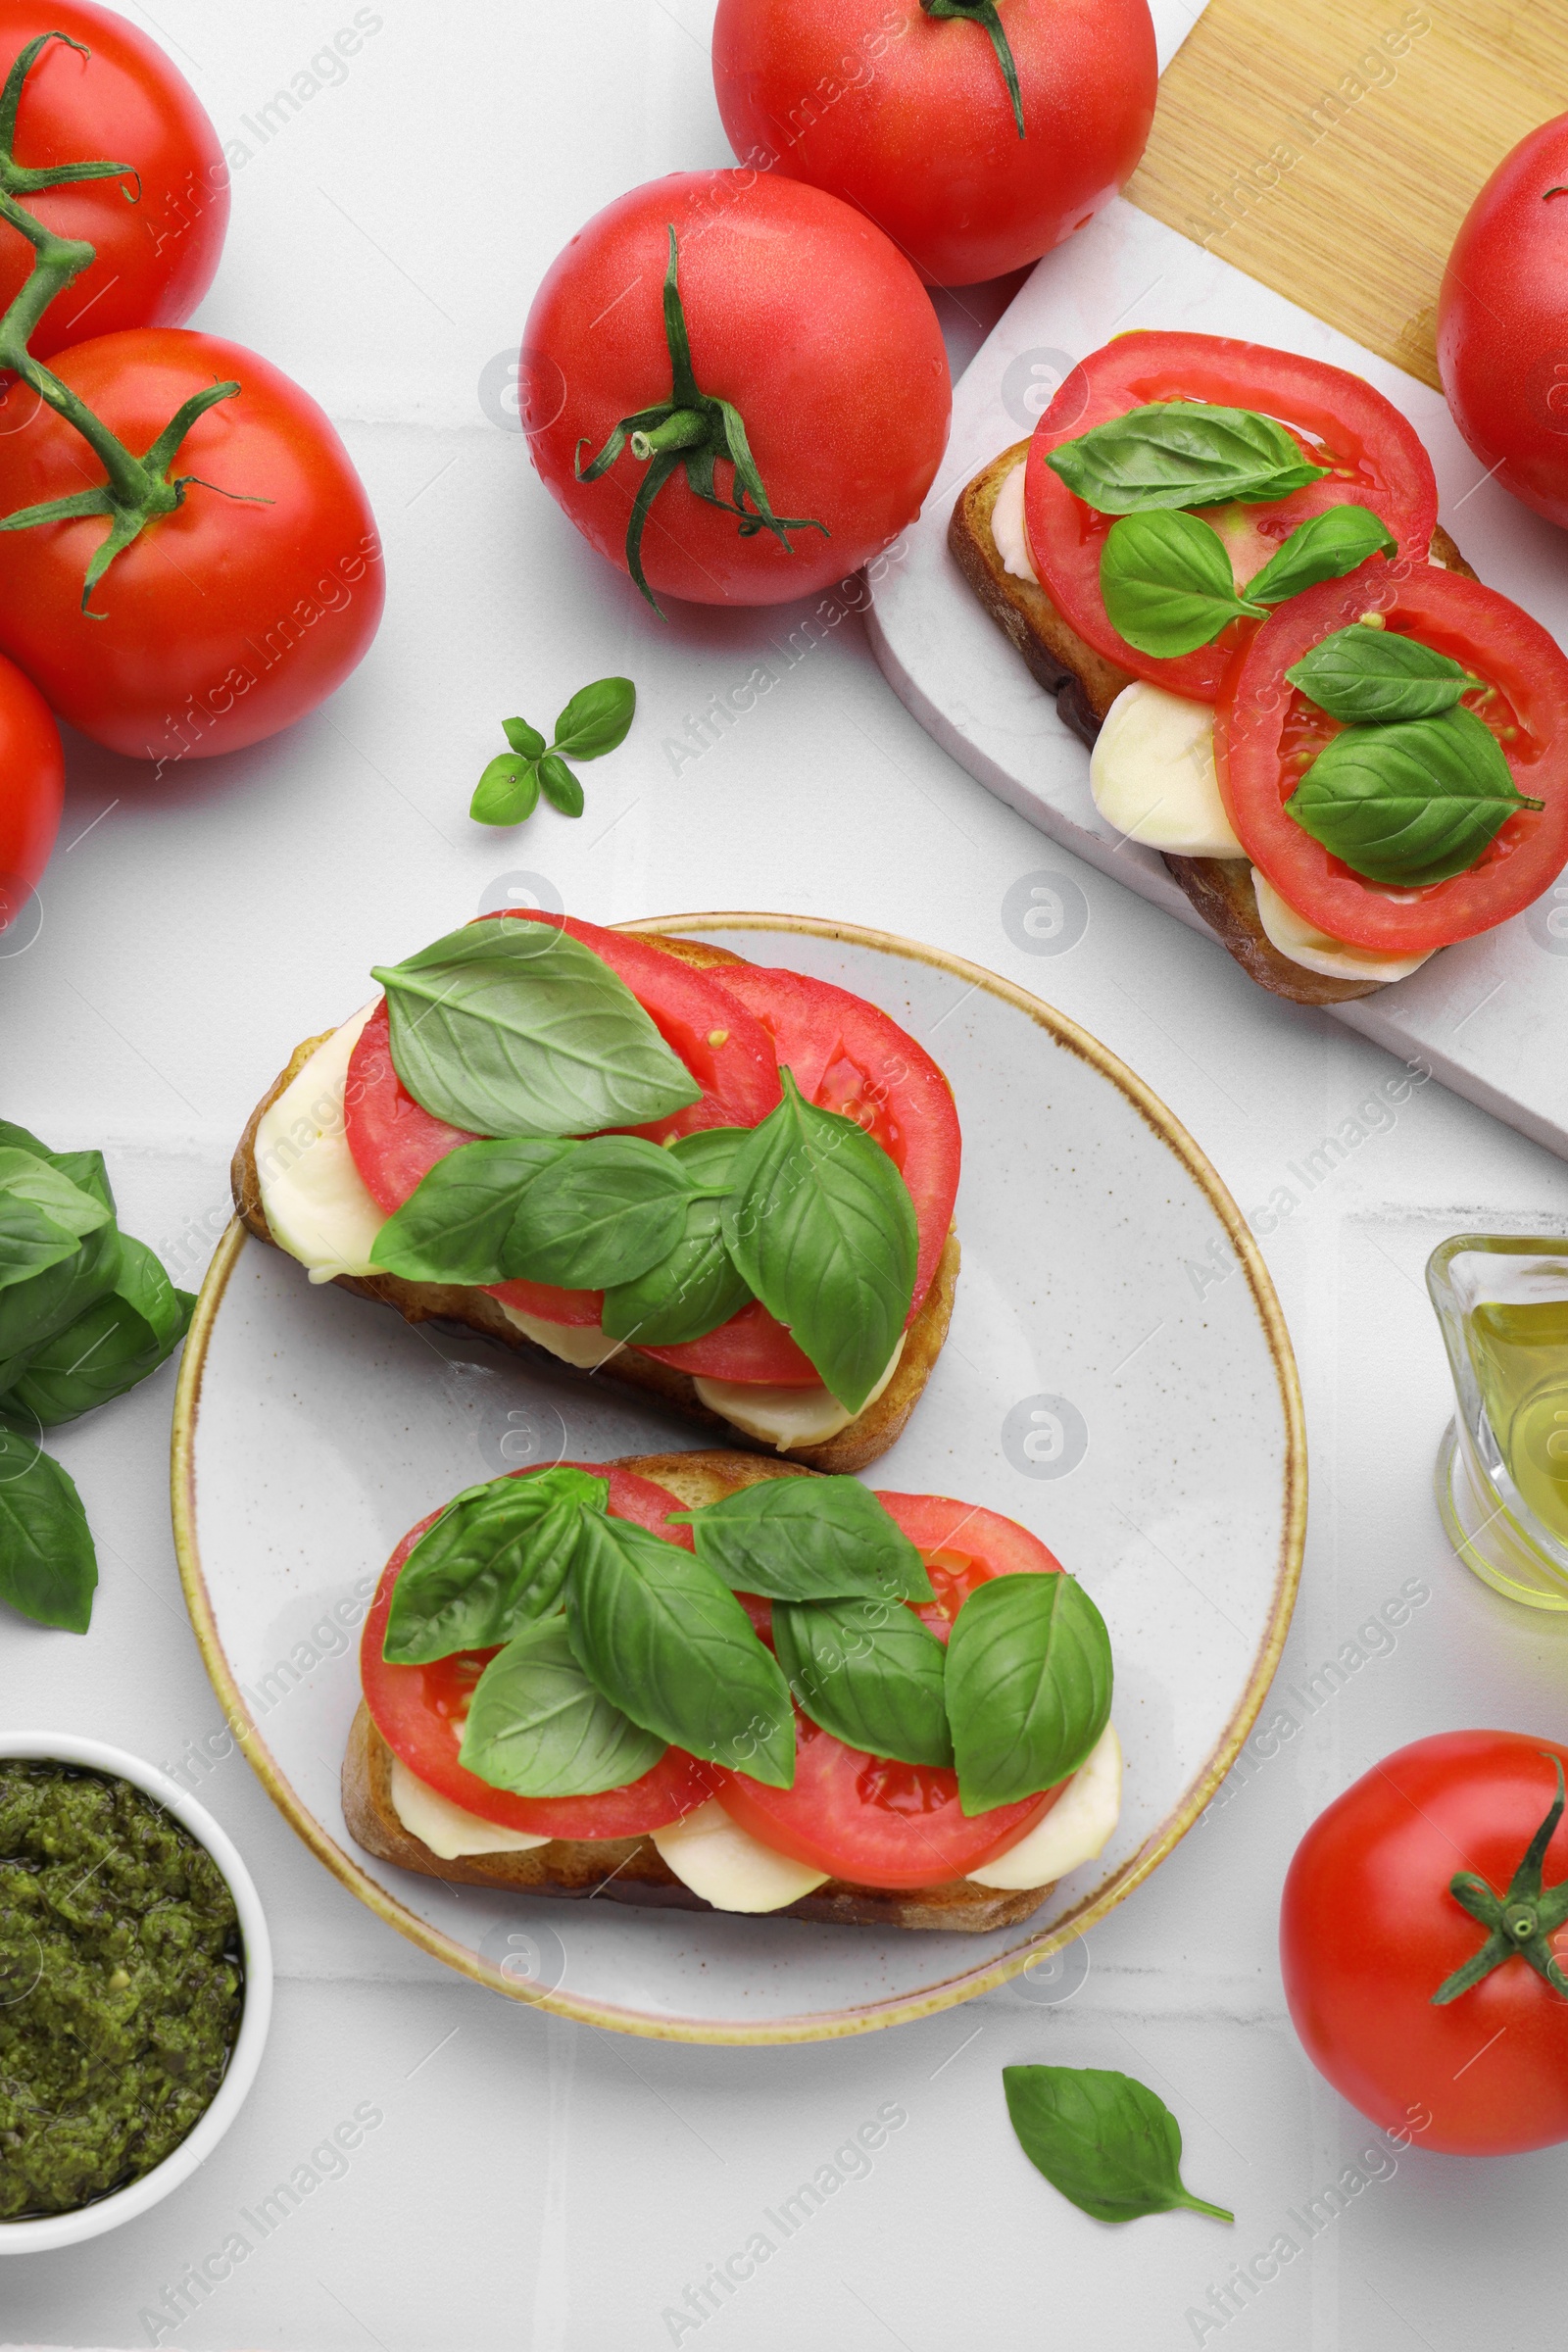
x=1501 y=1301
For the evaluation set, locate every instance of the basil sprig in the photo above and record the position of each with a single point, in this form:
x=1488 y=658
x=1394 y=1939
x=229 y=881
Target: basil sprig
x=455 y=1224
x=596 y=720
x=538 y=1727
x=1168 y=587
x=696 y=1287
x=1372 y=676
x=111 y=1347
x=808 y=1539
x=494 y=1561
x=1028 y=1686
x=511 y=1027
x=1104 y=2140
x=1410 y=804
x=869 y=1672
x=1182 y=453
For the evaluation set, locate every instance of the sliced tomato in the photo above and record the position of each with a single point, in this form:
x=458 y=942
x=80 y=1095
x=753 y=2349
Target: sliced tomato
x=866 y=1820
x=1340 y=422
x=1266 y=733
x=419 y=1711
x=847 y=1056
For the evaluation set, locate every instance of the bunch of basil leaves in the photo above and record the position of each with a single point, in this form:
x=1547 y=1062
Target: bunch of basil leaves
x=615 y=1643
x=86 y=1313
x=518 y=1033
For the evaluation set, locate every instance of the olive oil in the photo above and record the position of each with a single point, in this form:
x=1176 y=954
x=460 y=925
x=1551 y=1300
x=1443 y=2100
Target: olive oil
x=1520 y=1354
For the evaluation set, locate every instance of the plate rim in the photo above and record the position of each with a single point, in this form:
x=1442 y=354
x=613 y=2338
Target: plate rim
x=985 y=1977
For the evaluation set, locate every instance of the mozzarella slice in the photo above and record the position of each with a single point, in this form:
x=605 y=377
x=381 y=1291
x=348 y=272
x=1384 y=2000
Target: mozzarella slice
x=728 y=1866
x=316 y=1202
x=1007 y=528
x=1073 y=1832
x=450 y=1829
x=1317 y=950
x=581 y=1344
x=785 y=1417
x=1151 y=772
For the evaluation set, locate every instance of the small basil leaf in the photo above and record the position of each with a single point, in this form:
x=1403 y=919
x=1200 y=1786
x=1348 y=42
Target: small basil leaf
x=597 y=719
x=696 y=1287
x=86 y=1171
x=43 y=1217
x=48 y=1568
x=667 y=1643
x=33 y=1309
x=523 y=738
x=1104 y=2140
x=1167 y=583
x=808 y=1538
x=1411 y=803
x=511 y=1027
x=496 y=1558
x=454 y=1225
x=822 y=1228
x=107 y=1351
x=605 y=1213
x=868 y=1671
x=1181 y=453
x=1029 y=1682
x=1374 y=676
x=1326 y=547
x=507 y=793
x=537 y=1727
x=560 y=787
x=21 y=1139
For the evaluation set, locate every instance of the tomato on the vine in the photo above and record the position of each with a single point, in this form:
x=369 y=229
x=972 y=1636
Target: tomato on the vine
x=158 y=229
x=1423 y=1938
x=33 y=784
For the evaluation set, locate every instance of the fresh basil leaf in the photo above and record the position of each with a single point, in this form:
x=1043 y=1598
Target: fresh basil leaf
x=822 y=1228
x=86 y=1171
x=511 y=1027
x=507 y=793
x=1167 y=583
x=1104 y=2140
x=454 y=1225
x=523 y=738
x=597 y=719
x=559 y=786
x=610 y=1210
x=1326 y=547
x=1374 y=676
x=33 y=1309
x=1181 y=453
x=808 y=1539
x=495 y=1559
x=1411 y=803
x=668 y=1643
x=43 y=1217
x=696 y=1287
x=114 y=1345
x=22 y=1138
x=1029 y=1681
x=537 y=1727
x=869 y=1672
x=48 y=1568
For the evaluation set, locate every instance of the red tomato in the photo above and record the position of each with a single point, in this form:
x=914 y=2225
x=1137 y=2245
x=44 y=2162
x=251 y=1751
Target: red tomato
x=880 y=1824
x=1377 y=461
x=909 y=116
x=1265 y=732
x=419 y=1711
x=1369 y=1931
x=127 y=103
x=33 y=787
x=800 y=314
x=1503 y=348
x=224 y=621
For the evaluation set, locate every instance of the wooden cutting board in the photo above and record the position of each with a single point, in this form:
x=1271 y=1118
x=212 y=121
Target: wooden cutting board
x=1332 y=147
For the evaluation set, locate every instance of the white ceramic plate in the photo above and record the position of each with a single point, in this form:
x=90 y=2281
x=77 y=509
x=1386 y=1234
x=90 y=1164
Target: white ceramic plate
x=1118 y=1377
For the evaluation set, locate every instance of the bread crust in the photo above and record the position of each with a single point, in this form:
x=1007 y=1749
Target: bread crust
x=863 y=1442
x=1086 y=684
x=631 y=1870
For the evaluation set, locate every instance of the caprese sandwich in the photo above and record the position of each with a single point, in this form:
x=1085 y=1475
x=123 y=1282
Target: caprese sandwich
x=712 y=1680
x=725 y=1186
x=1225 y=563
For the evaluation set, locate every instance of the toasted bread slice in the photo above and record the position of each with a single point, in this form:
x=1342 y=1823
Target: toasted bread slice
x=1086 y=683
x=864 y=1440
x=631 y=1870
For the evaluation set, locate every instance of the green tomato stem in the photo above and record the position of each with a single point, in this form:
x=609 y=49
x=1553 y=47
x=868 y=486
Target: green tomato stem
x=1521 y=1923
x=984 y=13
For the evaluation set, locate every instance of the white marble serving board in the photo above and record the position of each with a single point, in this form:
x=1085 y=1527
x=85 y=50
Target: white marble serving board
x=1489 y=1017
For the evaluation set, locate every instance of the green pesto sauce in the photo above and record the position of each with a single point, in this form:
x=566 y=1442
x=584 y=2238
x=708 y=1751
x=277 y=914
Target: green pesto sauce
x=120 y=1986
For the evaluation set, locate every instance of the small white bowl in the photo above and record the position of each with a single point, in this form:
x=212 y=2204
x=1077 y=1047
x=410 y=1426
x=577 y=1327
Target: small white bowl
x=52 y=2230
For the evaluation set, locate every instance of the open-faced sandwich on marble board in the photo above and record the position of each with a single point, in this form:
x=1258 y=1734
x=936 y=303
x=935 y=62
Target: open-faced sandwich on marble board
x=711 y=1680
x=727 y=1187
x=1224 y=560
